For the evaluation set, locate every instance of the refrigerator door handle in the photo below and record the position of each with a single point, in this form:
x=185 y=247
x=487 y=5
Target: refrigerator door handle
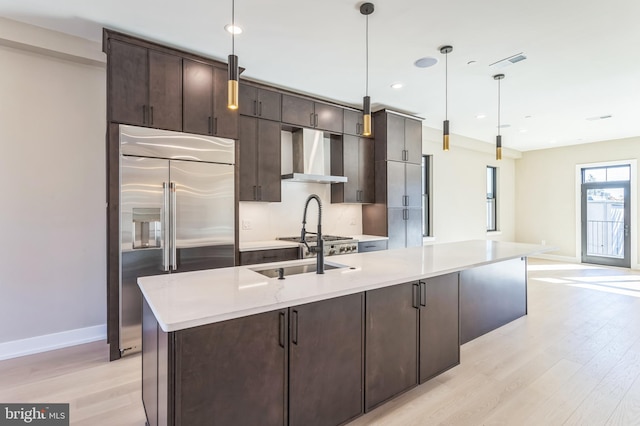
x=165 y=222
x=174 y=261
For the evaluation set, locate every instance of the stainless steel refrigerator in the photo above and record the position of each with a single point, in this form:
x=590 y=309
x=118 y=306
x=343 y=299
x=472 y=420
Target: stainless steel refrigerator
x=176 y=212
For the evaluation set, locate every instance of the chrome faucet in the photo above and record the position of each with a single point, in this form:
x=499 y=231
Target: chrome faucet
x=319 y=248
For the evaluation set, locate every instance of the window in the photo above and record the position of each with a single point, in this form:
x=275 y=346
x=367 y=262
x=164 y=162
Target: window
x=606 y=174
x=426 y=193
x=492 y=222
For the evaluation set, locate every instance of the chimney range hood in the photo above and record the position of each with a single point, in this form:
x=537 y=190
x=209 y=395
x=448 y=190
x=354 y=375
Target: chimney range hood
x=311 y=158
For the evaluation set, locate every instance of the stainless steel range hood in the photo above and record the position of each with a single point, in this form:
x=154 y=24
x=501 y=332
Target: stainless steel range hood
x=311 y=158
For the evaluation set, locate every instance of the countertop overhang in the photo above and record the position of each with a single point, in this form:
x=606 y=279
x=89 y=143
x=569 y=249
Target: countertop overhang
x=191 y=299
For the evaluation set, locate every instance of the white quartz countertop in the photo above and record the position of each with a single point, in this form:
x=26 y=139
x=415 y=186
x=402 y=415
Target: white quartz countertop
x=365 y=238
x=190 y=299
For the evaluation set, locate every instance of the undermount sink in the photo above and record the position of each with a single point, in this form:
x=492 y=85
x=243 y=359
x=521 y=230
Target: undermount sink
x=274 y=272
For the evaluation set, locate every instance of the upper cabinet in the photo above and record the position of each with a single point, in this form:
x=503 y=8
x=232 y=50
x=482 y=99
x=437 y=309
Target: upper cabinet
x=402 y=139
x=307 y=113
x=258 y=102
x=353 y=122
x=352 y=157
x=145 y=86
x=205 y=101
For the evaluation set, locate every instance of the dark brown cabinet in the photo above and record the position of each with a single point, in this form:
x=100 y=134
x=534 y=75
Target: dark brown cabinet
x=404 y=227
x=353 y=122
x=325 y=361
x=401 y=137
x=352 y=157
x=266 y=256
x=307 y=113
x=262 y=103
x=259 y=162
x=145 y=86
x=391 y=349
x=205 y=101
x=439 y=320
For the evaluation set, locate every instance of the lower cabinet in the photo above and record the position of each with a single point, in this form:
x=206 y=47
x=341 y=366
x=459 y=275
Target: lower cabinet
x=325 y=361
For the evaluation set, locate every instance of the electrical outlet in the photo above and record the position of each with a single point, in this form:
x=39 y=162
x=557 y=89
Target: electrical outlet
x=246 y=225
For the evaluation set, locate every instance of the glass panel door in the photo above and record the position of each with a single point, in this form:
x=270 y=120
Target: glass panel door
x=605 y=223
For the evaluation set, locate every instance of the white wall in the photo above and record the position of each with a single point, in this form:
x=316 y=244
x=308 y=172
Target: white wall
x=459 y=188
x=546 y=200
x=52 y=211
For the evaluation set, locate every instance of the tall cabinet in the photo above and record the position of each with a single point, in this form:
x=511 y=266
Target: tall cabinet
x=397 y=212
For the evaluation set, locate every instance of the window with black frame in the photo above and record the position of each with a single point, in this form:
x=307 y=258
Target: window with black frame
x=492 y=221
x=426 y=192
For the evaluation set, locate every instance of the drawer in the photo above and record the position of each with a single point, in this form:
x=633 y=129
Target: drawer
x=365 y=246
x=266 y=256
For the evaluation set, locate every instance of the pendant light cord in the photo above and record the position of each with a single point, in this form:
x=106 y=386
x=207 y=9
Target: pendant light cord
x=446 y=86
x=233 y=27
x=366 y=89
x=498 y=107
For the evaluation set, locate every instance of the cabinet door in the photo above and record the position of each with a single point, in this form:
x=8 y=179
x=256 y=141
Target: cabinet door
x=269 y=170
x=396 y=195
x=352 y=122
x=248 y=158
x=298 y=111
x=269 y=105
x=248 y=100
x=225 y=120
x=232 y=372
x=413 y=141
x=267 y=256
x=350 y=150
x=329 y=117
x=413 y=223
x=325 y=362
x=397 y=227
x=366 y=166
x=391 y=350
x=165 y=91
x=197 y=106
x=413 y=185
x=395 y=138
x=439 y=339
x=128 y=85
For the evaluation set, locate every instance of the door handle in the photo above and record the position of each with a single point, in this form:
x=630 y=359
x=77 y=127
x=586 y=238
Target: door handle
x=282 y=326
x=415 y=289
x=294 y=327
x=174 y=251
x=423 y=293
x=165 y=233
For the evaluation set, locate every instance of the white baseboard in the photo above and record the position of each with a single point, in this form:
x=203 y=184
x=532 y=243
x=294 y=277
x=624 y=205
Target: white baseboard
x=48 y=342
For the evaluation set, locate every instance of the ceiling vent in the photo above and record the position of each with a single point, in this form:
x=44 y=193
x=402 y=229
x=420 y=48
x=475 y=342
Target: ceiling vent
x=502 y=63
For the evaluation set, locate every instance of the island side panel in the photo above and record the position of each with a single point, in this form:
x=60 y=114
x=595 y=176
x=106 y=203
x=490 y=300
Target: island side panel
x=492 y=296
x=149 y=364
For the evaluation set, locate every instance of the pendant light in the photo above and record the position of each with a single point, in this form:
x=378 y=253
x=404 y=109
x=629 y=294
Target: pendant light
x=445 y=50
x=499 y=137
x=366 y=9
x=232 y=85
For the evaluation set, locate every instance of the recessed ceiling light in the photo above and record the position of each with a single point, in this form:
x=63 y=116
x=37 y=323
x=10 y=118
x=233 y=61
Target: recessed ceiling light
x=481 y=116
x=523 y=130
x=425 y=62
x=528 y=116
x=233 y=29
x=397 y=85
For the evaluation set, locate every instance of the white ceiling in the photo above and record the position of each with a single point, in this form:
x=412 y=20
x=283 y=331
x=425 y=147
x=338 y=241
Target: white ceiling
x=583 y=58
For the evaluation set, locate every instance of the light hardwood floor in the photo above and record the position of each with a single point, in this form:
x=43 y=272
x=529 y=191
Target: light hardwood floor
x=574 y=360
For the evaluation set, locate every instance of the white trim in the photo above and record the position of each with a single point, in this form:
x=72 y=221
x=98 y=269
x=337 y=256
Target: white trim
x=48 y=342
x=554 y=257
x=633 y=193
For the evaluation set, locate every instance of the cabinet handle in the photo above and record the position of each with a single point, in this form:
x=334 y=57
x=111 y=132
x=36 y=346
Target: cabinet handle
x=311 y=119
x=255 y=107
x=260 y=108
x=294 y=327
x=415 y=295
x=151 y=115
x=255 y=193
x=405 y=200
x=281 y=330
x=357 y=128
x=423 y=293
x=209 y=125
x=215 y=125
x=260 y=192
x=315 y=120
x=405 y=214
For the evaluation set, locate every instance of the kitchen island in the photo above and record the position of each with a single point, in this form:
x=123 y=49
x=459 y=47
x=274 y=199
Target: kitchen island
x=232 y=346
